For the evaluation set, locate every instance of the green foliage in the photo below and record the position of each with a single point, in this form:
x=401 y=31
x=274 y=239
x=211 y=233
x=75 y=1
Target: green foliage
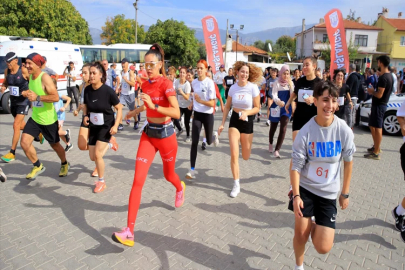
x=177 y=40
x=121 y=30
x=263 y=45
x=353 y=53
x=285 y=44
x=56 y=20
x=202 y=51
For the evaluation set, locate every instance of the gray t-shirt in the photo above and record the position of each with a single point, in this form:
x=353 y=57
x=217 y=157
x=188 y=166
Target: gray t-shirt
x=186 y=88
x=49 y=71
x=317 y=155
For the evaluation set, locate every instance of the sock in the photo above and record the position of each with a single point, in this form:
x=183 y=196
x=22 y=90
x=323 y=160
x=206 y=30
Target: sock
x=400 y=210
x=110 y=145
x=37 y=163
x=205 y=140
x=64 y=163
x=236 y=182
x=192 y=168
x=301 y=267
x=101 y=179
x=12 y=151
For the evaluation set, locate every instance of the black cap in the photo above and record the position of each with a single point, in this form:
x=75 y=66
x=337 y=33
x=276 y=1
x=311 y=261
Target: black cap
x=10 y=56
x=124 y=60
x=43 y=56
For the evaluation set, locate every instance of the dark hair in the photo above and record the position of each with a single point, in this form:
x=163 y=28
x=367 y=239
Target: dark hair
x=100 y=68
x=336 y=71
x=326 y=85
x=87 y=65
x=374 y=70
x=156 y=50
x=183 y=67
x=313 y=60
x=190 y=71
x=384 y=59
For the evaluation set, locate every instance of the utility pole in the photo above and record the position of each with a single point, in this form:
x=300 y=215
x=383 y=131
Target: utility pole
x=226 y=41
x=136 y=21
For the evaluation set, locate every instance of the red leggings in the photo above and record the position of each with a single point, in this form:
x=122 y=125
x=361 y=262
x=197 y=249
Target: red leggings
x=146 y=153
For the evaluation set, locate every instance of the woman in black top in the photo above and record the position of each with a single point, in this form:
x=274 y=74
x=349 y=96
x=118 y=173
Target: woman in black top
x=99 y=116
x=344 y=93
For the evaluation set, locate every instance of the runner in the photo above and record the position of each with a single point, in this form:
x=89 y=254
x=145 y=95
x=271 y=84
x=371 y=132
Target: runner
x=315 y=174
x=270 y=82
x=42 y=93
x=203 y=105
x=344 y=93
x=229 y=80
x=161 y=106
x=99 y=116
x=16 y=80
x=245 y=99
x=127 y=95
x=220 y=82
x=183 y=90
x=60 y=109
x=282 y=88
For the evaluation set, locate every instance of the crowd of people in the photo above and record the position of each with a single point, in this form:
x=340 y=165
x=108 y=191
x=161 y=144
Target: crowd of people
x=320 y=106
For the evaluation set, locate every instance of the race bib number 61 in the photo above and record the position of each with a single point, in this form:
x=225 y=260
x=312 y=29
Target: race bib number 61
x=322 y=172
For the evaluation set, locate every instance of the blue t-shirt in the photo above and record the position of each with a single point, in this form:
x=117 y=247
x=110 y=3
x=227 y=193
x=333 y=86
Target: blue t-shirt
x=111 y=76
x=58 y=105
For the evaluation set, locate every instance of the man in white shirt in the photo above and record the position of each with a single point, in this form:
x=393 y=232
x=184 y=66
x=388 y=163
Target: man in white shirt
x=71 y=88
x=219 y=80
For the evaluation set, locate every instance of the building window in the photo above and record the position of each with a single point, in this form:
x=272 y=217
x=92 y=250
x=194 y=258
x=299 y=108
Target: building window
x=360 y=40
x=402 y=43
x=325 y=38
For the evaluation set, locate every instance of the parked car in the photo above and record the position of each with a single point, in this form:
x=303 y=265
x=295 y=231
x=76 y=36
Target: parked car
x=390 y=122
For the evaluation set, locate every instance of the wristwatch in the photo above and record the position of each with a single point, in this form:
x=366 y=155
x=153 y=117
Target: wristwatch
x=156 y=107
x=346 y=196
x=38 y=98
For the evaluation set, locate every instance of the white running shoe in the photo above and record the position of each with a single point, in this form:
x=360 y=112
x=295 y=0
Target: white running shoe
x=215 y=138
x=190 y=175
x=235 y=190
x=268 y=123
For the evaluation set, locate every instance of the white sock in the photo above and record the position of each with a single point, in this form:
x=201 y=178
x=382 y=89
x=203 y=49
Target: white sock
x=101 y=179
x=400 y=210
x=301 y=267
x=110 y=145
x=205 y=140
x=236 y=182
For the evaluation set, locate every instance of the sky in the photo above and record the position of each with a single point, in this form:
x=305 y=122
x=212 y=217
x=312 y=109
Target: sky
x=256 y=15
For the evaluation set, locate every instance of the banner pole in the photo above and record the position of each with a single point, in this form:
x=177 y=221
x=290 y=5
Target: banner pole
x=226 y=41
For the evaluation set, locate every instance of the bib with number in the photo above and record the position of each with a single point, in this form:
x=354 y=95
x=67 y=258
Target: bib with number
x=302 y=92
x=229 y=82
x=275 y=112
x=97 y=119
x=322 y=172
x=38 y=104
x=14 y=91
x=341 y=101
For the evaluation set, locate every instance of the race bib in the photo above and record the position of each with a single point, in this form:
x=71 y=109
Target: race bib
x=229 y=82
x=341 y=101
x=97 y=119
x=14 y=91
x=302 y=92
x=271 y=84
x=275 y=112
x=38 y=104
x=125 y=86
x=322 y=172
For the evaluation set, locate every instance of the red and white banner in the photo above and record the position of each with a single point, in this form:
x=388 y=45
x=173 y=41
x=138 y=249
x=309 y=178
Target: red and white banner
x=213 y=43
x=339 y=54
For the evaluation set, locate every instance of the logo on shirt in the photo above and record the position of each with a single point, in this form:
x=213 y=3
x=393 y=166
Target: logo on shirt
x=170 y=90
x=167 y=159
x=95 y=100
x=324 y=149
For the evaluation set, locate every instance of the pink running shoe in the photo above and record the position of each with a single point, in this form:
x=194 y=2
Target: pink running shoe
x=125 y=237
x=270 y=148
x=180 y=196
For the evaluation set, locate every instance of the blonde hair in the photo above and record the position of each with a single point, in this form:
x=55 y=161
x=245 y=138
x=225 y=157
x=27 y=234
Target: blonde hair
x=255 y=73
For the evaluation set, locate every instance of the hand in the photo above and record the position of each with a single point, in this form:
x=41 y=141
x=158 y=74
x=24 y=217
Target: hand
x=280 y=103
x=86 y=121
x=3 y=89
x=222 y=107
x=220 y=129
x=371 y=90
x=287 y=106
x=309 y=100
x=197 y=98
x=31 y=96
x=180 y=91
x=147 y=100
x=113 y=130
x=243 y=116
x=75 y=113
x=298 y=205
x=343 y=202
x=62 y=109
x=130 y=114
x=190 y=107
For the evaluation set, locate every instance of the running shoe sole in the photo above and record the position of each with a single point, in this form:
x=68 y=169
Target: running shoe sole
x=38 y=173
x=6 y=160
x=189 y=177
x=118 y=240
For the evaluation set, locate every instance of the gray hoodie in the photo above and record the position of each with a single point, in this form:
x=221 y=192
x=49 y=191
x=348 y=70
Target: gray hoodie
x=317 y=155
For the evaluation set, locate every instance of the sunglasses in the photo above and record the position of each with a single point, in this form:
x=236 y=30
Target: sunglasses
x=151 y=65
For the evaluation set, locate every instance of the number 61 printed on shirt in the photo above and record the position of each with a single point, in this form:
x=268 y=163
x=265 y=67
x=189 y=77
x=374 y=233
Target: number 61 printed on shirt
x=322 y=172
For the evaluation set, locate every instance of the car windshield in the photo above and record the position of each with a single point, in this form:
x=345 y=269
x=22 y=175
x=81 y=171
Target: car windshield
x=3 y=64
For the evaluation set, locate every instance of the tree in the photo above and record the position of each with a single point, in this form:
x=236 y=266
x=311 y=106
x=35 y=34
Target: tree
x=176 y=39
x=121 y=30
x=353 y=53
x=285 y=44
x=50 y=19
x=202 y=51
x=259 y=44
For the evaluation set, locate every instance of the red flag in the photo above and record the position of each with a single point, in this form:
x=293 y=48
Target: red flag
x=339 y=54
x=213 y=43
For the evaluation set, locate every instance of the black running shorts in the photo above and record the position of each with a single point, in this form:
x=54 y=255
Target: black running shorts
x=19 y=109
x=245 y=127
x=50 y=132
x=99 y=134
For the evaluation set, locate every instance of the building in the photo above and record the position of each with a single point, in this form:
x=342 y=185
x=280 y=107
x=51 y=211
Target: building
x=314 y=41
x=392 y=38
x=239 y=52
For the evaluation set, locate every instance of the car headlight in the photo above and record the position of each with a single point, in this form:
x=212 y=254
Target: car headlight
x=367 y=105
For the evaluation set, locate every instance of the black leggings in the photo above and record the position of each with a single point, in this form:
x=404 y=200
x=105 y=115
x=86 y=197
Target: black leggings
x=200 y=119
x=187 y=115
x=402 y=151
x=283 y=129
x=73 y=90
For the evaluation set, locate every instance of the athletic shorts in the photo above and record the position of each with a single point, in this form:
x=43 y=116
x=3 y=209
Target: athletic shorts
x=377 y=116
x=128 y=100
x=402 y=155
x=137 y=92
x=50 y=132
x=81 y=123
x=324 y=210
x=99 y=134
x=19 y=109
x=245 y=127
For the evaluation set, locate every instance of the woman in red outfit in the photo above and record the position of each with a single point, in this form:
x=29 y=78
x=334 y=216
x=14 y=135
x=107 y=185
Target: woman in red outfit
x=160 y=103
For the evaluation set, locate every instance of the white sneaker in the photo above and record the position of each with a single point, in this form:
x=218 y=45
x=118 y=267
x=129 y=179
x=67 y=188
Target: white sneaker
x=235 y=191
x=268 y=123
x=215 y=138
x=191 y=174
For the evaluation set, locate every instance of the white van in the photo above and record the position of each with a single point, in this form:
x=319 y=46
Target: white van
x=58 y=57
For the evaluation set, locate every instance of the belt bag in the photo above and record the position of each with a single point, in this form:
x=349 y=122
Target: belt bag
x=159 y=131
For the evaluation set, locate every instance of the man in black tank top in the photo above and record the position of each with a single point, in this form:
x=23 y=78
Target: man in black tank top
x=16 y=82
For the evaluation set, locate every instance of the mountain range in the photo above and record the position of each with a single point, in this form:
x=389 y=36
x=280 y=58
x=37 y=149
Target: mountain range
x=249 y=38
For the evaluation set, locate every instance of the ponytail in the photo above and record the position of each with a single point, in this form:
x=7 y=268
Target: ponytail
x=156 y=50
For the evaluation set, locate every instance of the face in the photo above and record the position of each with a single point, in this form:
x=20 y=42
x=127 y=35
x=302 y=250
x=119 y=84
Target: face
x=182 y=74
x=171 y=76
x=72 y=65
x=124 y=65
x=326 y=106
x=105 y=65
x=95 y=75
x=189 y=77
x=31 y=66
x=221 y=69
x=273 y=73
x=201 y=70
x=141 y=66
x=153 y=65
x=297 y=74
x=339 y=78
x=318 y=74
x=286 y=75
x=324 y=76
x=230 y=72
x=86 y=74
x=12 y=63
x=243 y=74
x=308 y=67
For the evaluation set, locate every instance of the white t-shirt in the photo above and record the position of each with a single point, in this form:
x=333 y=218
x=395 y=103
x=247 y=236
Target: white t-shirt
x=219 y=77
x=126 y=89
x=73 y=74
x=186 y=88
x=206 y=90
x=242 y=97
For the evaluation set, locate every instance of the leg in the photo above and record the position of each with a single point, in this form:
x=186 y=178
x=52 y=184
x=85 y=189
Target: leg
x=208 y=123
x=283 y=130
x=76 y=96
x=62 y=134
x=322 y=238
x=373 y=132
x=377 y=140
x=99 y=150
x=195 y=137
x=168 y=151
x=187 y=116
x=18 y=125
x=272 y=131
x=26 y=145
x=246 y=142
x=57 y=147
x=83 y=138
x=301 y=234
x=176 y=123
x=70 y=94
x=234 y=137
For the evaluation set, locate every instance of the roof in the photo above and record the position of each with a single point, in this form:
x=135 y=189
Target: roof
x=399 y=24
x=348 y=24
x=245 y=48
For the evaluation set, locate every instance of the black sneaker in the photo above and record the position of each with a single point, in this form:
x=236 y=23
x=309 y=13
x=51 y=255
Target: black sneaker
x=403 y=232
x=372 y=156
x=120 y=127
x=68 y=147
x=67 y=136
x=136 y=125
x=399 y=220
x=204 y=146
x=370 y=150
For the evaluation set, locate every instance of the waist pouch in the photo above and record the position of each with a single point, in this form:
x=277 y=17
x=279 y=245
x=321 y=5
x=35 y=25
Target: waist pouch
x=159 y=131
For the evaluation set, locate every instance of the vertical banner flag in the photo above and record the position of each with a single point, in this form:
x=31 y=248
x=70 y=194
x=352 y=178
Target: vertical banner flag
x=339 y=54
x=213 y=43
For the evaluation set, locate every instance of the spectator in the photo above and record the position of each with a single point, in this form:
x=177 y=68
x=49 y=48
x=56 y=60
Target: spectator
x=381 y=96
x=353 y=81
x=394 y=80
x=70 y=74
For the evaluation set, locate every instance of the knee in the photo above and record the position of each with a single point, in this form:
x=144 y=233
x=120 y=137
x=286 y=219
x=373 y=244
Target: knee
x=16 y=126
x=322 y=248
x=25 y=144
x=301 y=237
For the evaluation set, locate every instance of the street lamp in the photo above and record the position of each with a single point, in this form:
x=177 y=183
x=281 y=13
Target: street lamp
x=136 y=21
x=237 y=36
